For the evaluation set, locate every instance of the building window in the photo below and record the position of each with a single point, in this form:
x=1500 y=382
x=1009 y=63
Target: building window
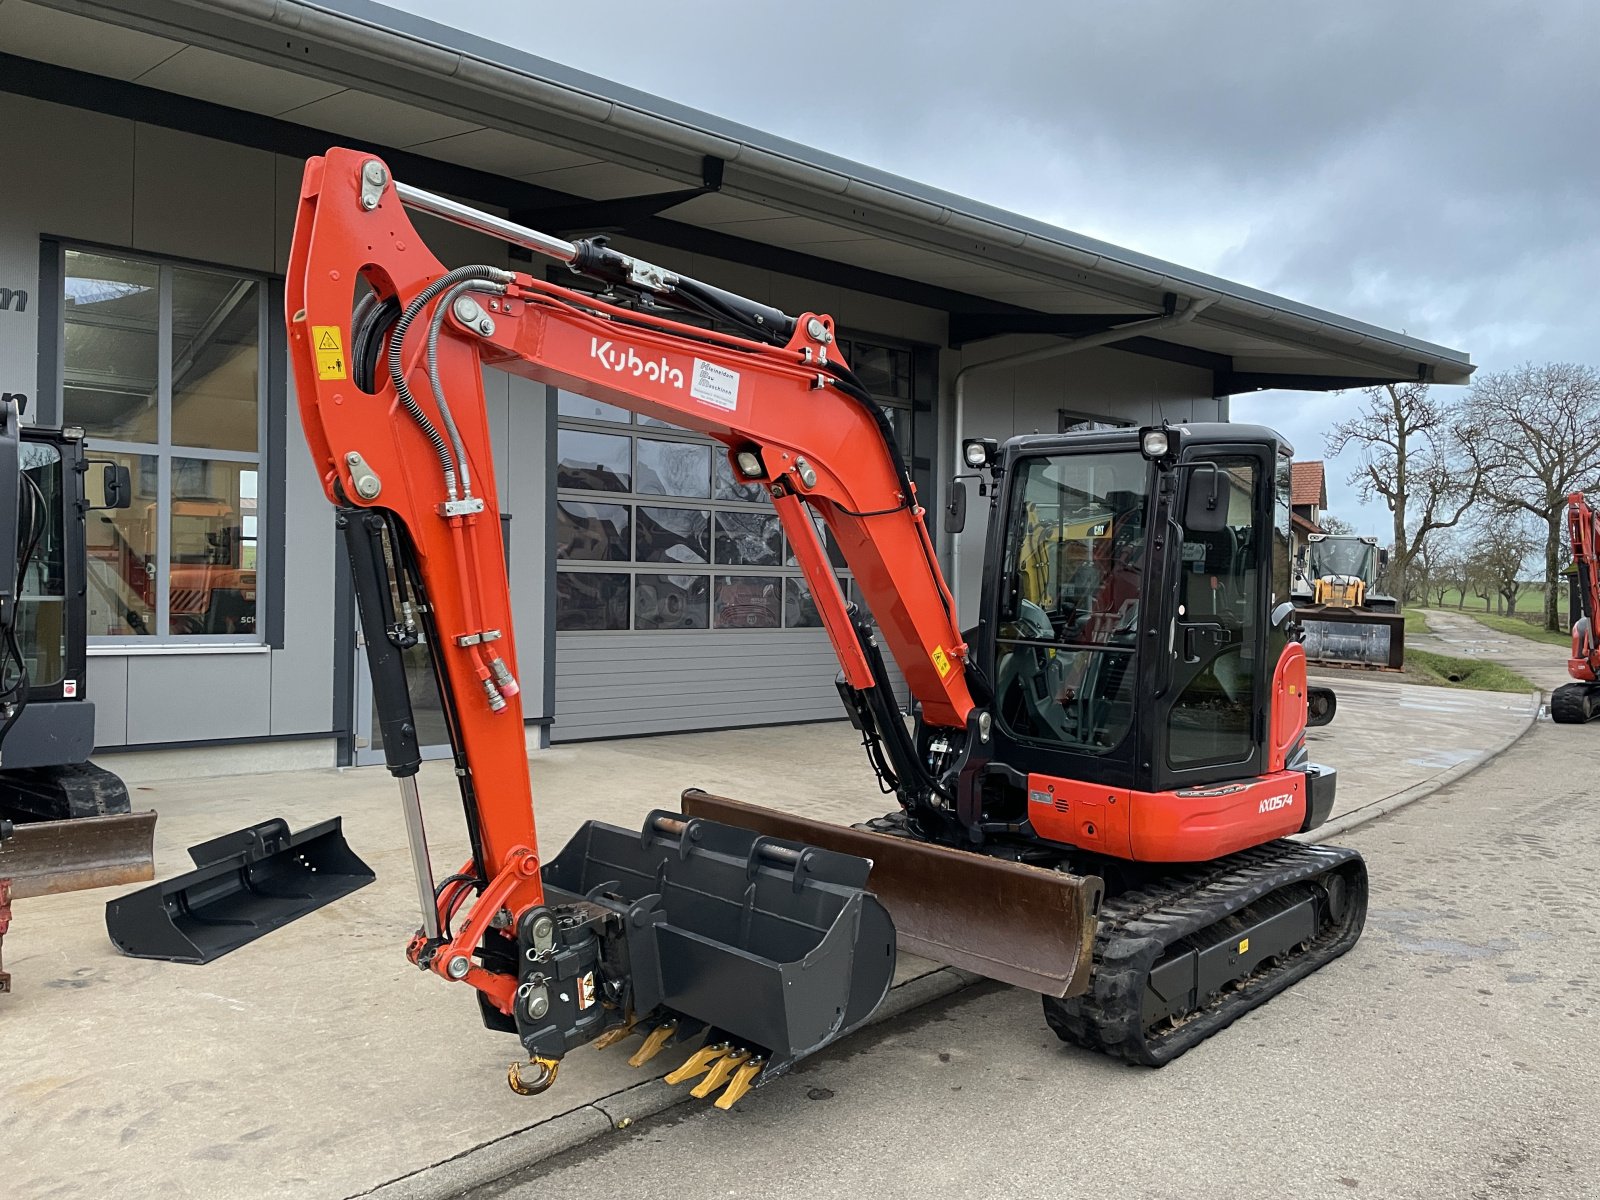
x=163 y=366
x=654 y=532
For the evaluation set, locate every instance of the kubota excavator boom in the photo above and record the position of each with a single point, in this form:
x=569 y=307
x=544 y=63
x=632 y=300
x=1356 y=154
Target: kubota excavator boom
x=1096 y=730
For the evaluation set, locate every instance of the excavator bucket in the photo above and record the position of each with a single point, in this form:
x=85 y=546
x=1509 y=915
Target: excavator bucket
x=42 y=857
x=1354 y=637
x=245 y=884
x=1026 y=926
x=774 y=947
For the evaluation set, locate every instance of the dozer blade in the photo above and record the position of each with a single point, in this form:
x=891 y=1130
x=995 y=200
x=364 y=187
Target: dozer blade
x=771 y=947
x=1026 y=926
x=42 y=857
x=245 y=884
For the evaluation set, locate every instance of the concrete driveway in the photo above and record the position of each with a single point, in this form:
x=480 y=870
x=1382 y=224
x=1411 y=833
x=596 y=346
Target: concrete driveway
x=317 y=1062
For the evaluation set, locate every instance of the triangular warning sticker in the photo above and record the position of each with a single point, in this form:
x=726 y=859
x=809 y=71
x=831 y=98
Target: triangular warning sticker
x=328 y=341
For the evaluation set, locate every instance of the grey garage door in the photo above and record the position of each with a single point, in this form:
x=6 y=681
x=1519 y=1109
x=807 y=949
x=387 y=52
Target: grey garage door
x=678 y=605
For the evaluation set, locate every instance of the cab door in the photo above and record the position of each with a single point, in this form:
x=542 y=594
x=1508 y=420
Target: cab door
x=1213 y=726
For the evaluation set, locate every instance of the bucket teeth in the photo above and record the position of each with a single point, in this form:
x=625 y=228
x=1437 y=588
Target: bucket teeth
x=743 y=1080
x=612 y=1036
x=699 y=1063
x=654 y=1043
x=718 y=1075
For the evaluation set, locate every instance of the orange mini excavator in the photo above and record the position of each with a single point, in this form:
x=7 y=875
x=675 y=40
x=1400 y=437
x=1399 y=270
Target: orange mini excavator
x=1577 y=702
x=1094 y=783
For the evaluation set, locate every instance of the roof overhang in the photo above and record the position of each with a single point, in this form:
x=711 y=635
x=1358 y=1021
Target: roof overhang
x=572 y=153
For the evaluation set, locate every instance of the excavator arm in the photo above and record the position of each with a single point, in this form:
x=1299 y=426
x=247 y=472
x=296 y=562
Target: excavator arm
x=388 y=347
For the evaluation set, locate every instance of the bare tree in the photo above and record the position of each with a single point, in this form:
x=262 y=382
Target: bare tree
x=1418 y=457
x=1504 y=544
x=1538 y=431
x=1445 y=567
x=1337 y=526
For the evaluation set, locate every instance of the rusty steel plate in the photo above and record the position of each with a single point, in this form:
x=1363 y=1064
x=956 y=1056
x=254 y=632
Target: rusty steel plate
x=1026 y=926
x=42 y=857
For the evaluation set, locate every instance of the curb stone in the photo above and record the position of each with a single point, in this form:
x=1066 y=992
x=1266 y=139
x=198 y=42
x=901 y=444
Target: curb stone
x=494 y=1161
x=528 y=1147
x=1425 y=788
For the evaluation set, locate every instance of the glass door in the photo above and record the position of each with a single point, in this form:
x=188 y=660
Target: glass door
x=1218 y=646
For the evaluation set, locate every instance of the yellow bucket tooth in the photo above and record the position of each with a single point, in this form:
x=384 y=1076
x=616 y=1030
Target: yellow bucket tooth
x=654 y=1043
x=743 y=1080
x=719 y=1074
x=699 y=1063
x=612 y=1036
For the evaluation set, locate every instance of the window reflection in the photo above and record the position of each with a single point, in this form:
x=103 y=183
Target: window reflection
x=753 y=539
x=592 y=462
x=216 y=356
x=671 y=601
x=110 y=318
x=122 y=555
x=748 y=602
x=673 y=468
x=592 y=531
x=673 y=535
x=589 y=600
x=212 y=580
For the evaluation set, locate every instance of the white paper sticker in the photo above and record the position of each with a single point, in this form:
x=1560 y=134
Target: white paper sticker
x=69 y=688
x=715 y=385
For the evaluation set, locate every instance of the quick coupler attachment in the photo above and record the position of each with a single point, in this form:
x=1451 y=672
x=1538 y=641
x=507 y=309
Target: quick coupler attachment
x=769 y=948
x=245 y=884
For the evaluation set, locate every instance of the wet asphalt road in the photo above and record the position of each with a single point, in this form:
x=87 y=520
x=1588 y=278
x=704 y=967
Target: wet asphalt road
x=1452 y=1053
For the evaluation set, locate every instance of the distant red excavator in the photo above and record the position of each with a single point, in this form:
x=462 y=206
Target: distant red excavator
x=1578 y=702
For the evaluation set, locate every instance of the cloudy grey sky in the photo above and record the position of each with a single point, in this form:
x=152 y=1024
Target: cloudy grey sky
x=1427 y=165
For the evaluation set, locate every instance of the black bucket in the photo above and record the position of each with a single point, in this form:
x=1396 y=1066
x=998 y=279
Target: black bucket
x=245 y=884
x=775 y=945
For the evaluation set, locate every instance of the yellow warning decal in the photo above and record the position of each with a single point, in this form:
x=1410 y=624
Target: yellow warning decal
x=1244 y=945
x=329 y=345
x=941 y=661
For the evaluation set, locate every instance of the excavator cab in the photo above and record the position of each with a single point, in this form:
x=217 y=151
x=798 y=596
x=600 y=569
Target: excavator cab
x=1114 y=576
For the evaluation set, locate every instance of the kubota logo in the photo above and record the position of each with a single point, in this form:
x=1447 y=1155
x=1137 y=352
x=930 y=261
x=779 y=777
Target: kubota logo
x=1273 y=803
x=625 y=360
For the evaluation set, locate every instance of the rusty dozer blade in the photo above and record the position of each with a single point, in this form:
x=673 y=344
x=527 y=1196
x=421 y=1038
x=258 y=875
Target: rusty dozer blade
x=245 y=884
x=772 y=946
x=43 y=857
x=1026 y=926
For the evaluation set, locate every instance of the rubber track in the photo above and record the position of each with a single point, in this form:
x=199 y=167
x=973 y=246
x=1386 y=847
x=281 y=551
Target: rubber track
x=1573 y=703
x=1137 y=926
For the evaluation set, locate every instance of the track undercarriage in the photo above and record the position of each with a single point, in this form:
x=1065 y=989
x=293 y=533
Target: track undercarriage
x=1575 y=703
x=1141 y=965
x=1184 y=954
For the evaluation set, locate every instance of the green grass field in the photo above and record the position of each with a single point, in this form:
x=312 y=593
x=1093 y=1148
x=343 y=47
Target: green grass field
x=1441 y=670
x=1530 y=602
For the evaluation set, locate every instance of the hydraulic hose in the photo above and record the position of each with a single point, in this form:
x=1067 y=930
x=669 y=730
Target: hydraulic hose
x=397 y=374
x=435 y=323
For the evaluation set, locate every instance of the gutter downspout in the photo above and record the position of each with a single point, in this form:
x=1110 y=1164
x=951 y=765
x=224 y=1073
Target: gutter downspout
x=1121 y=333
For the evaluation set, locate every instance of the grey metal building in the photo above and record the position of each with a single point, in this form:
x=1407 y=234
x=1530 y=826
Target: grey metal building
x=155 y=148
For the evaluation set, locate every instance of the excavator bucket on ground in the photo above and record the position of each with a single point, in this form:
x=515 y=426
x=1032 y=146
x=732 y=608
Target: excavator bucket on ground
x=773 y=948
x=245 y=884
x=43 y=857
x=1026 y=926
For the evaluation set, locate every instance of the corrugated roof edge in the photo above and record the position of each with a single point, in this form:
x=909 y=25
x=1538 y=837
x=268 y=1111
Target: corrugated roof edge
x=692 y=128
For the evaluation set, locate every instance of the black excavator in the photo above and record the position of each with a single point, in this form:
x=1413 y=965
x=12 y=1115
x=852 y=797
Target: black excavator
x=65 y=823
